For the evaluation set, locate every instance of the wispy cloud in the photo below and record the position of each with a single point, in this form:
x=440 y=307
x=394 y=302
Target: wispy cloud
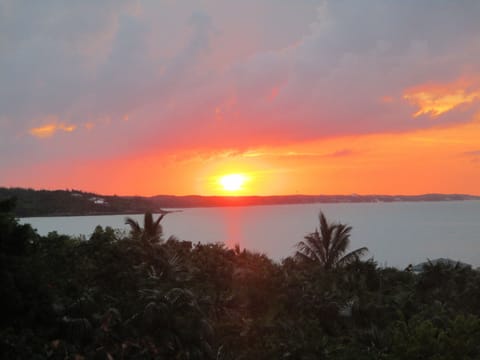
x=49 y=130
x=472 y=153
x=300 y=154
x=437 y=99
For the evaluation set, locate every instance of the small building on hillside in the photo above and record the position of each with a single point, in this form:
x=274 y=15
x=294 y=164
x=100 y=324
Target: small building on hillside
x=98 y=201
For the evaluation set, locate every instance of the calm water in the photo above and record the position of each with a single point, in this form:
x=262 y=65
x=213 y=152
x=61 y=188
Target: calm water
x=396 y=233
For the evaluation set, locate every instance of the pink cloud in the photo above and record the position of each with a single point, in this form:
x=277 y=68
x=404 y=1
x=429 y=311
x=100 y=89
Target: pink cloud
x=234 y=76
x=437 y=99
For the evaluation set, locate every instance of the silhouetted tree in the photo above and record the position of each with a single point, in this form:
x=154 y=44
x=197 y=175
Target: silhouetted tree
x=328 y=245
x=151 y=232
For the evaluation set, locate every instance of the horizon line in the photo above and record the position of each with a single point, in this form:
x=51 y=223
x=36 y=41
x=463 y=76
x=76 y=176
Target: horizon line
x=242 y=195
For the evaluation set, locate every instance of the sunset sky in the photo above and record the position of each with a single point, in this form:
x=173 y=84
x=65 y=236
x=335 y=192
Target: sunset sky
x=292 y=96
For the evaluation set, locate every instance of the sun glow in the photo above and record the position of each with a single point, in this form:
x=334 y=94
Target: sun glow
x=233 y=182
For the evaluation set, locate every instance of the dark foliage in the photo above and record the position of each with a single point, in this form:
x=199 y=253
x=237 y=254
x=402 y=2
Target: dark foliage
x=139 y=296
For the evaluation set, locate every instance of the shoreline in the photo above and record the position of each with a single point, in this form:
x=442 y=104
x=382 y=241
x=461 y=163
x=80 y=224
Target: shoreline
x=178 y=209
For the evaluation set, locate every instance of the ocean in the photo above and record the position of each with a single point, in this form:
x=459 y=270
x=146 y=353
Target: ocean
x=396 y=233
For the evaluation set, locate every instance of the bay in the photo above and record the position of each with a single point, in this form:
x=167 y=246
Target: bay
x=397 y=233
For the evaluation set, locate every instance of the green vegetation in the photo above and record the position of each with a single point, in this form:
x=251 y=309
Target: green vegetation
x=140 y=296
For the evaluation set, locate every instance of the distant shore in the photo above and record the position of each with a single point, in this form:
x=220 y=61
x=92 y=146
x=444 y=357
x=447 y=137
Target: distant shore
x=38 y=203
x=161 y=211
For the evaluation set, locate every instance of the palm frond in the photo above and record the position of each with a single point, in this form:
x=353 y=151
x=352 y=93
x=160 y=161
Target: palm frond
x=305 y=252
x=352 y=256
x=300 y=256
x=135 y=227
x=148 y=220
x=327 y=245
x=157 y=222
x=341 y=240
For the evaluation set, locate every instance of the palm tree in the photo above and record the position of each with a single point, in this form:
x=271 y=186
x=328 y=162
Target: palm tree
x=327 y=247
x=151 y=232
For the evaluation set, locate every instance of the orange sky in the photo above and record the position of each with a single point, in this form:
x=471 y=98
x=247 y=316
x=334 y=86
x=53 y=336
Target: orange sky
x=302 y=97
x=441 y=160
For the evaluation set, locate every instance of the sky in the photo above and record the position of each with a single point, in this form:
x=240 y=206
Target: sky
x=294 y=96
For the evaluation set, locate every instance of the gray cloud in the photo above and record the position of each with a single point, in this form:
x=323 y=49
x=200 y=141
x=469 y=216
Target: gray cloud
x=229 y=76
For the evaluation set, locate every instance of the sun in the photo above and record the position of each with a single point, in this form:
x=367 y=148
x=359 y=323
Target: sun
x=233 y=182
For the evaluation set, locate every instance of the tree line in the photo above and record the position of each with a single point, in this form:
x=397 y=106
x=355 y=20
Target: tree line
x=139 y=295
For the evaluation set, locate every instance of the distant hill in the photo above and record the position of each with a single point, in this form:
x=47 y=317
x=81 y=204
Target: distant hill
x=75 y=202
